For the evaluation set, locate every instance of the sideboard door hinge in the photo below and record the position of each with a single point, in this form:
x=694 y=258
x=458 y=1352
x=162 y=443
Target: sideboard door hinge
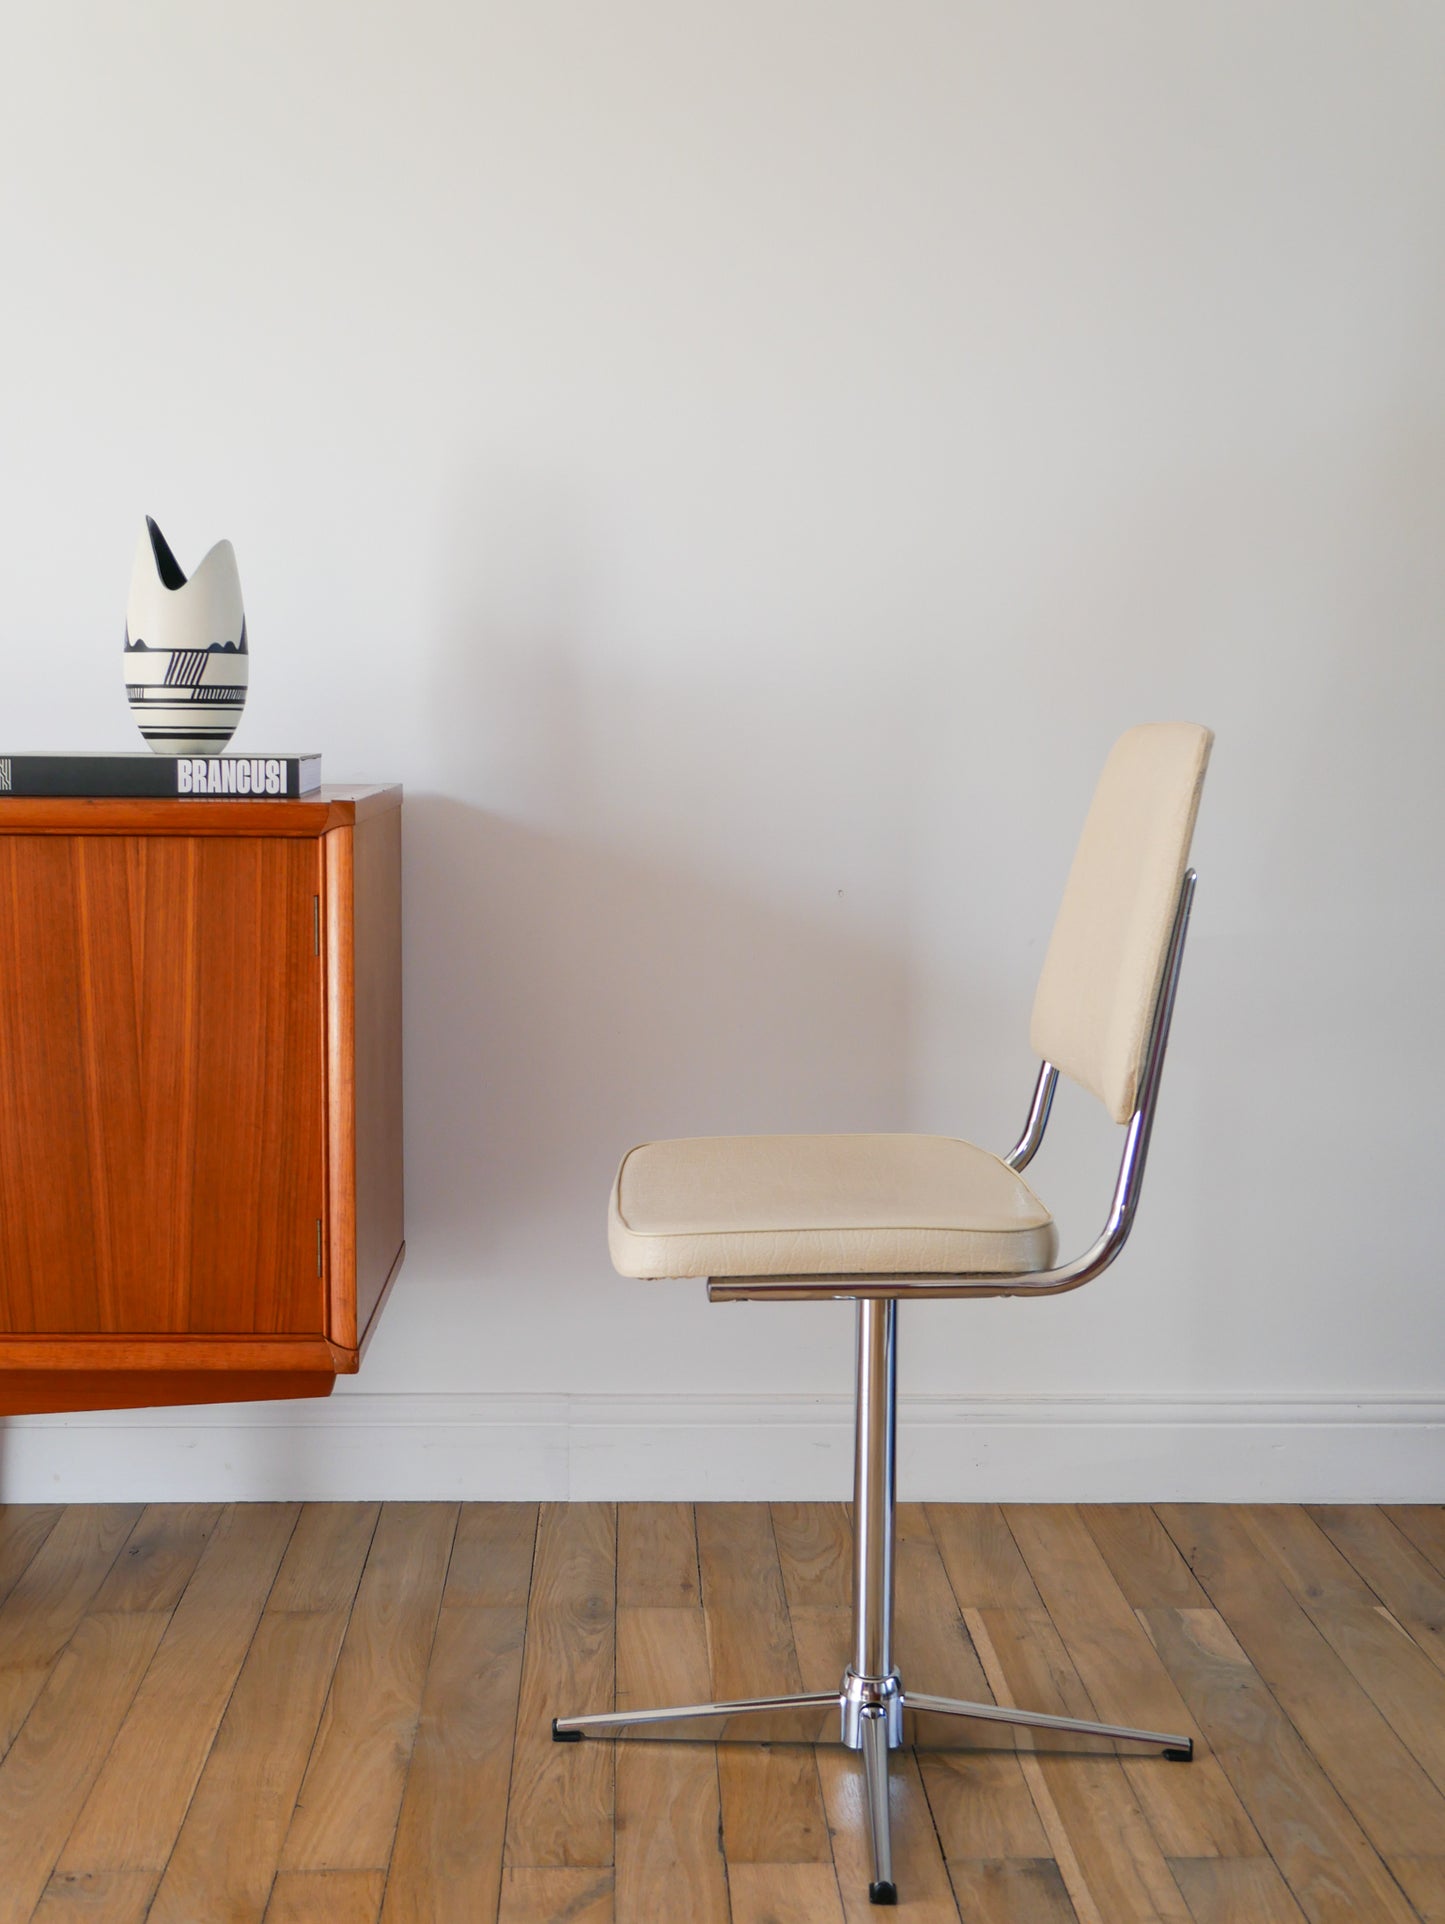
x=316 y=924
x=318 y=1246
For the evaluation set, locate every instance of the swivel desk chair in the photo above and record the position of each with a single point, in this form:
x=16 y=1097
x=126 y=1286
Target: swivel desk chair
x=890 y=1219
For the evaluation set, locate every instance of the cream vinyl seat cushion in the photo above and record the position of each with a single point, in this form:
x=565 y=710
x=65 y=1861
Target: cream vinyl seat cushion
x=823 y=1205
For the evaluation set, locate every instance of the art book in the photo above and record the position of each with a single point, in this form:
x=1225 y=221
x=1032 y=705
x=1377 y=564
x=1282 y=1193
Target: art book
x=266 y=777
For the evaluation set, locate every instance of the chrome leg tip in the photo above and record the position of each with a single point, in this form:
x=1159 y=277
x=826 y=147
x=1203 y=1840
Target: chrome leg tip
x=1181 y=1753
x=565 y=1736
x=882 y=1893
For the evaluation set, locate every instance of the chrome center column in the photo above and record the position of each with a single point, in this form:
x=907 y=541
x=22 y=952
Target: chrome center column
x=871 y=1682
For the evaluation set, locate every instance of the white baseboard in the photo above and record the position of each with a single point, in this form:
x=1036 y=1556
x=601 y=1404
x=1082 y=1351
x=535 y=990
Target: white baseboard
x=965 y=1449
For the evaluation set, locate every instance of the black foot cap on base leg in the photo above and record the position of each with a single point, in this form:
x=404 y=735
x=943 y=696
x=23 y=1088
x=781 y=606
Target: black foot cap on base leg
x=882 y=1893
x=1183 y=1754
x=565 y=1736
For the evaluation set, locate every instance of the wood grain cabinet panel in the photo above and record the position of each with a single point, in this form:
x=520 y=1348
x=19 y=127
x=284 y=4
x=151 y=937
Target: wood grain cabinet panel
x=200 y=1095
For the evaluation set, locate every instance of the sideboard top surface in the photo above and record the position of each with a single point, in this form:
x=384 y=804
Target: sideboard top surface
x=309 y=815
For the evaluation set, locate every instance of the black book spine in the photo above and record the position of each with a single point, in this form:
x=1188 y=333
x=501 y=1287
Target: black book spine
x=262 y=777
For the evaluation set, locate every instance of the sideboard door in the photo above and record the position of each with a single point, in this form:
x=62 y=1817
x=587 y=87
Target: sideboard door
x=162 y=1066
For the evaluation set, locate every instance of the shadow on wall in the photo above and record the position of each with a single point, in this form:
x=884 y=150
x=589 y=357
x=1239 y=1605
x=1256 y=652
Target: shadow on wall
x=565 y=1001
x=648 y=963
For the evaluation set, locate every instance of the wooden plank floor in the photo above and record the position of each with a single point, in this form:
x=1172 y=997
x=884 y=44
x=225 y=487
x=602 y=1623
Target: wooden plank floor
x=340 y=1714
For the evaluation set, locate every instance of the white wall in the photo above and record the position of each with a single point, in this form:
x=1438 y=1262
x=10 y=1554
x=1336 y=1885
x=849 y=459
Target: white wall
x=739 y=466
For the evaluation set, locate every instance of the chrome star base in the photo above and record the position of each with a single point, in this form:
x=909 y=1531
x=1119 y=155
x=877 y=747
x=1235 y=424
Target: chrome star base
x=867 y=1711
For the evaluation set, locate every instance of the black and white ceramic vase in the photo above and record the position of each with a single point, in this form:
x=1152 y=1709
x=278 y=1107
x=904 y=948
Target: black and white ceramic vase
x=186 y=664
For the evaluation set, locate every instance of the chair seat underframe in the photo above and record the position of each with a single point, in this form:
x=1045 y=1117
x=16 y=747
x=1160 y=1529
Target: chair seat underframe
x=870 y=1702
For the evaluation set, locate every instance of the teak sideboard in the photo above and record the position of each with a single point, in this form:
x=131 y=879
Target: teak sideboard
x=200 y=1095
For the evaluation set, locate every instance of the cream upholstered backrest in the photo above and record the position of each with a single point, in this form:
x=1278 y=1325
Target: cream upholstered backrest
x=1101 y=975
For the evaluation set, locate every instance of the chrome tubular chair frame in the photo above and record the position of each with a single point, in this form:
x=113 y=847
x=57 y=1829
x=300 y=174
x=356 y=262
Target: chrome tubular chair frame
x=870 y=1702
